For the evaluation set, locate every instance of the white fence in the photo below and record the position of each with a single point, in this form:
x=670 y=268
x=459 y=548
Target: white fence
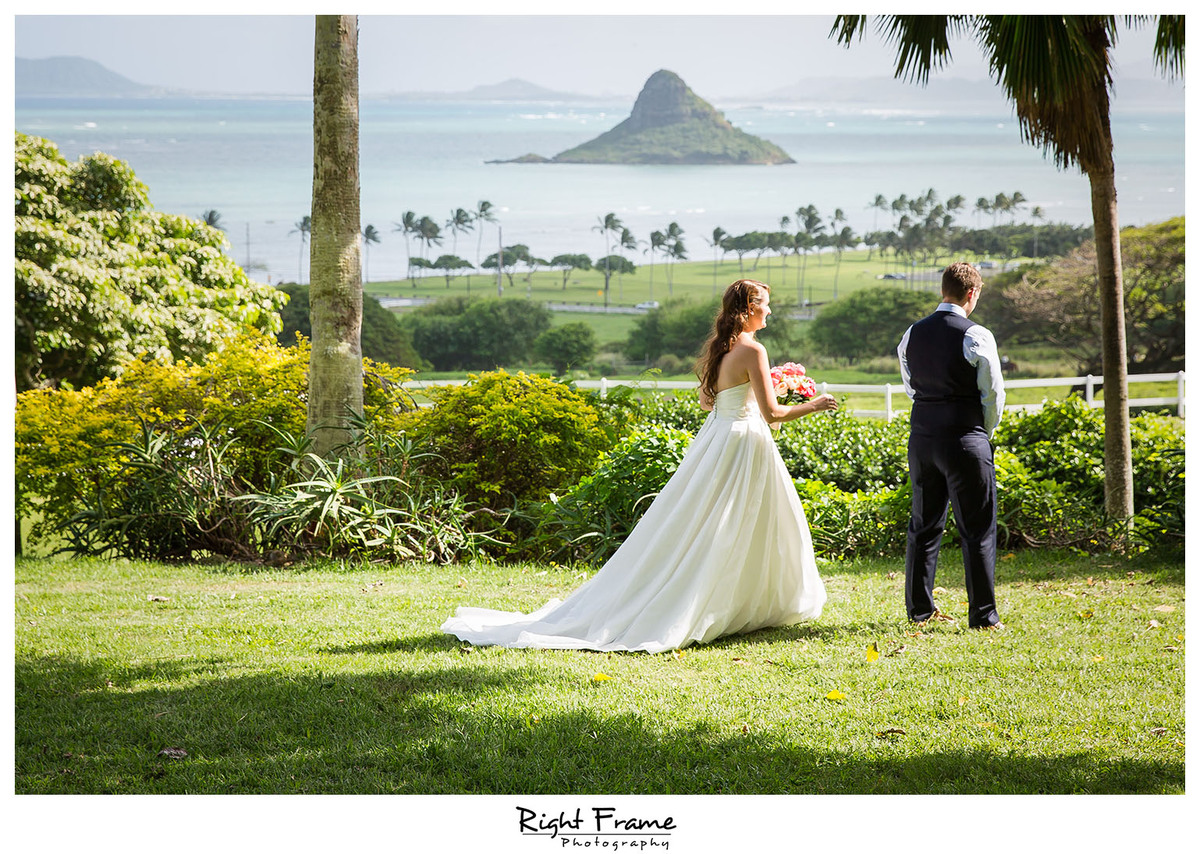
x=890 y=390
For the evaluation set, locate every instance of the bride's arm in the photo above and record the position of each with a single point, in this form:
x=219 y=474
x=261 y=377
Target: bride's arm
x=774 y=411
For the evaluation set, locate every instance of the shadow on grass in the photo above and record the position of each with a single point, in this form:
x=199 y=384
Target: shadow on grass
x=466 y=729
x=1164 y=565
x=432 y=642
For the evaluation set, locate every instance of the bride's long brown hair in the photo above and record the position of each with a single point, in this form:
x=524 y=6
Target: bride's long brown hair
x=728 y=325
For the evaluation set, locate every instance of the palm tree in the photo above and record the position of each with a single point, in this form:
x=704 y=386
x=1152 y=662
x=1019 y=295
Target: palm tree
x=212 y=217
x=810 y=220
x=1037 y=214
x=406 y=226
x=482 y=213
x=842 y=241
x=834 y=221
x=335 y=378
x=675 y=252
x=880 y=204
x=429 y=233
x=1056 y=70
x=606 y=224
x=1015 y=202
x=369 y=236
x=459 y=222
x=658 y=243
x=629 y=244
x=302 y=227
x=718 y=235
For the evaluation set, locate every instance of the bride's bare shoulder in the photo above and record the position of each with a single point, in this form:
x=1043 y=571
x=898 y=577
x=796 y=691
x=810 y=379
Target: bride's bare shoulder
x=746 y=348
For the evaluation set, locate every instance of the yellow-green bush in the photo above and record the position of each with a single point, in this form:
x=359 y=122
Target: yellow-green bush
x=504 y=438
x=64 y=437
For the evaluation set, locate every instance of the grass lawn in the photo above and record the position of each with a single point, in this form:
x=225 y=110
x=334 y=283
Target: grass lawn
x=817 y=280
x=336 y=680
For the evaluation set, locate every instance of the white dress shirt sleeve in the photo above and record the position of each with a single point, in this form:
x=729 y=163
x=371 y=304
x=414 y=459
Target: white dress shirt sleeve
x=979 y=349
x=902 y=352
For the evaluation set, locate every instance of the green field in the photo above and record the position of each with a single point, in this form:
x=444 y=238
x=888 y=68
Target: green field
x=328 y=679
x=691 y=280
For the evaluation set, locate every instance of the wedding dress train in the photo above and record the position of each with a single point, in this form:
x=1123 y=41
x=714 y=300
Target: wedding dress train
x=723 y=549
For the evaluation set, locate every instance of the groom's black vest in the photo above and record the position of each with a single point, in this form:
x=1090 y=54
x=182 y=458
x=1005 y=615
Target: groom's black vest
x=946 y=398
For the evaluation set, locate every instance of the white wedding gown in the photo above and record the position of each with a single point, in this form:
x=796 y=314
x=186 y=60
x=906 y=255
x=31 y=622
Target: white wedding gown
x=723 y=549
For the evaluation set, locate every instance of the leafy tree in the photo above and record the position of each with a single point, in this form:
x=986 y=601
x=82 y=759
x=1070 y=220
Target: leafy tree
x=102 y=279
x=507 y=260
x=383 y=338
x=1058 y=303
x=1056 y=70
x=335 y=375
x=567 y=263
x=868 y=323
x=457 y=334
x=567 y=346
x=677 y=328
x=448 y=264
x=612 y=264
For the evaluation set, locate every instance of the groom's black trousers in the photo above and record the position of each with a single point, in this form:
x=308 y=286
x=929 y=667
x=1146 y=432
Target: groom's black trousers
x=955 y=469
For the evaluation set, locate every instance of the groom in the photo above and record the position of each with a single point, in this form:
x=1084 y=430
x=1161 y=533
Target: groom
x=951 y=370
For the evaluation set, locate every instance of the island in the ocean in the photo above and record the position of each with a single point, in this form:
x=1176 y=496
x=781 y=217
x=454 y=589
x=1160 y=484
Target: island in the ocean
x=669 y=124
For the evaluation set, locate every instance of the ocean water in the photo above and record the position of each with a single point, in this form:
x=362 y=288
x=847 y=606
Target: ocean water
x=251 y=160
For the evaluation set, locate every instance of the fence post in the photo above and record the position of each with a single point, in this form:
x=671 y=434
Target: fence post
x=887 y=401
x=1182 y=394
x=603 y=387
x=1089 y=389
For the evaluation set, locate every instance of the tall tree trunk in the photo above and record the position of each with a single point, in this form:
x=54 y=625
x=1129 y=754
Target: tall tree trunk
x=1118 y=456
x=335 y=382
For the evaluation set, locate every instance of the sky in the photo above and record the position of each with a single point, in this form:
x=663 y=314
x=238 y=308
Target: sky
x=718 y=56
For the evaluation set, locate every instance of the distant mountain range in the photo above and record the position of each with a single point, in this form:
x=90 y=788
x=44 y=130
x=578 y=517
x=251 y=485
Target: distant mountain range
x=508 y=90
x=79 y=77
x=73 y=75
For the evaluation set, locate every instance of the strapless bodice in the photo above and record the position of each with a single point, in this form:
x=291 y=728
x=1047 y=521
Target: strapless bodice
x=736 y=402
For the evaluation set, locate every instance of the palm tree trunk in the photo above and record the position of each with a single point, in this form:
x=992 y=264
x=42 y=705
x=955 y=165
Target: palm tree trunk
x=335 y=382
x=1118 y=457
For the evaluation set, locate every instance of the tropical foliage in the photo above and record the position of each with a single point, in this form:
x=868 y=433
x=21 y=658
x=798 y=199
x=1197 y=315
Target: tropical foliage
x=101 y=279
x=1058 y=303
x=383 y=338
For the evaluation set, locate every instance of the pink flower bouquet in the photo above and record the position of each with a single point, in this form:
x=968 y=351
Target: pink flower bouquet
x=792 y=384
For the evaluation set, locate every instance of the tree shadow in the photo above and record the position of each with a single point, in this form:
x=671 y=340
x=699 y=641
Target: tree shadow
x=467 y=730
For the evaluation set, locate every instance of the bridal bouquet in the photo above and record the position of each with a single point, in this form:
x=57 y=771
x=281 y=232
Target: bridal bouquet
x=792 y=384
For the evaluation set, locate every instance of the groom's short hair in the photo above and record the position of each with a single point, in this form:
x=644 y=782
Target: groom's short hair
x=959 y=279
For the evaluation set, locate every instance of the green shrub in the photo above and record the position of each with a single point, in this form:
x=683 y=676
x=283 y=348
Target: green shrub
x=64 y=439
x=855 y=523
x=847 y=452
x=568 y=346
x=593 y=518
x=681 y=412
x=505 y=438
x=1064 y=442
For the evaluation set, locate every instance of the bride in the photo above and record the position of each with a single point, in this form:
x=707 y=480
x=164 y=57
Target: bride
x=723 y=549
